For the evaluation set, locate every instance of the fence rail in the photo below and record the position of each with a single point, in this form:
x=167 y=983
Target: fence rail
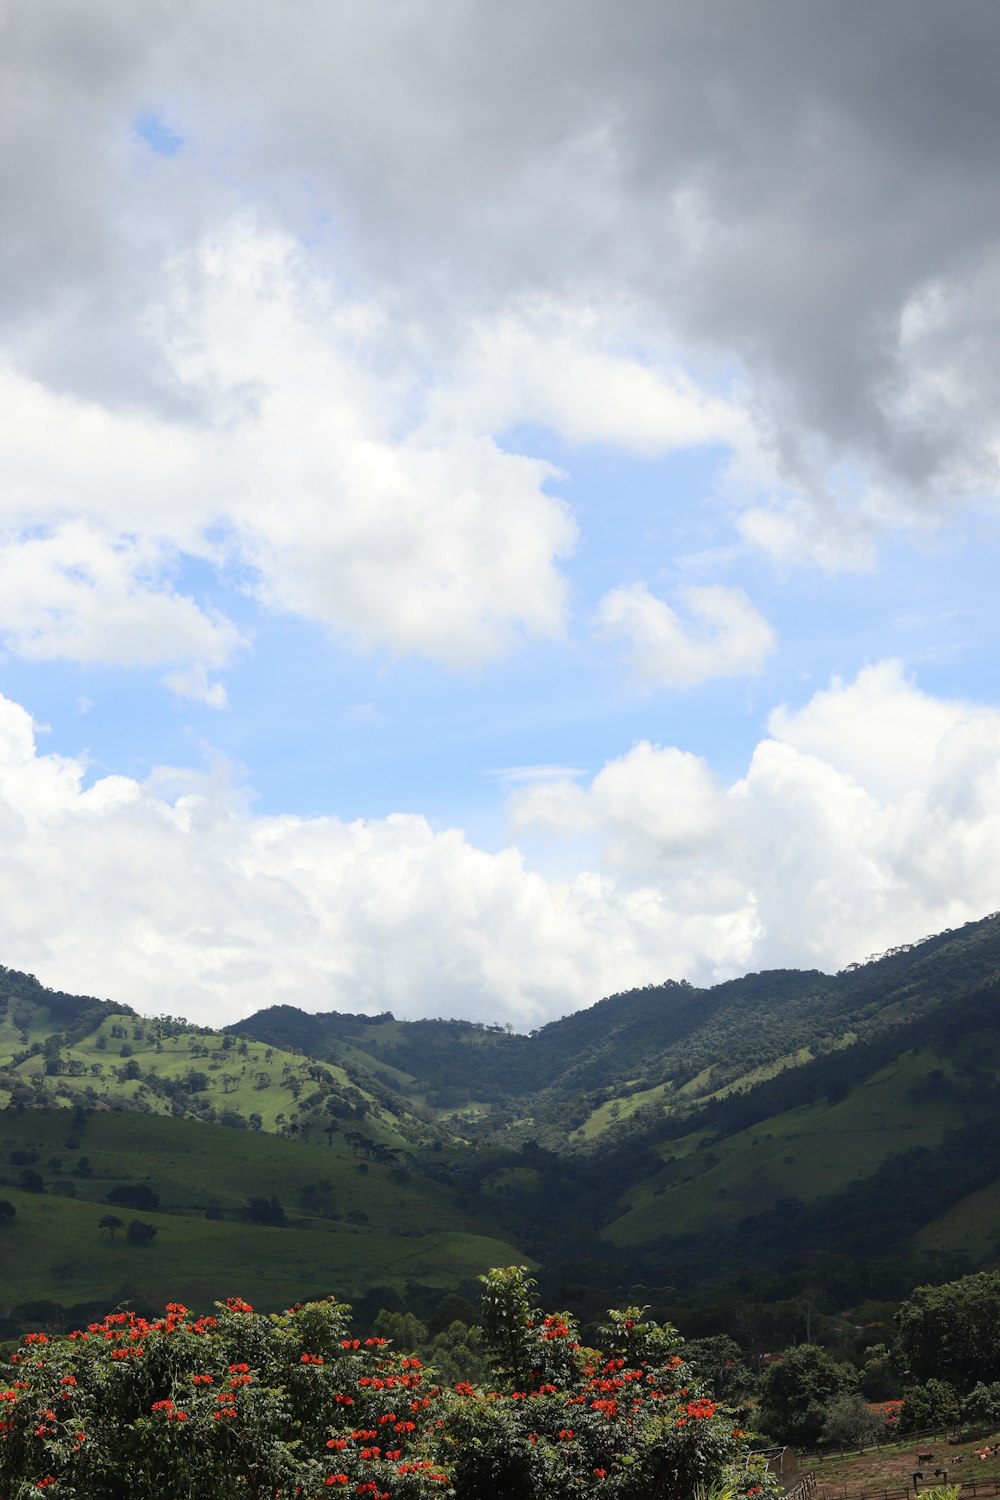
x=971 y=1488
x=891 y=1440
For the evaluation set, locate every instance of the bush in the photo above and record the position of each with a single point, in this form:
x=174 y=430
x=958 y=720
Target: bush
x=141 y=1233
x=239 y=1404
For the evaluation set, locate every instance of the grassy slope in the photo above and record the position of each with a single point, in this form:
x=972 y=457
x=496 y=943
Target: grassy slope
x=803 y=1153
x=415 y=1230
x=233 y=1072
x=709 y=1179
x=661 y=1048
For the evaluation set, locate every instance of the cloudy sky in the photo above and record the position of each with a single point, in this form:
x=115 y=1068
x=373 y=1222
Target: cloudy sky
x=498 y=503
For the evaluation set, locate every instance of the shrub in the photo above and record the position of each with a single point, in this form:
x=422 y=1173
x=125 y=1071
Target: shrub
x=239 y=1404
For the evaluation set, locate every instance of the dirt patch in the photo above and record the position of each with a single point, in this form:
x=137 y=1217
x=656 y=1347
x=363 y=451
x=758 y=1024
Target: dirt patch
x=848 y=1478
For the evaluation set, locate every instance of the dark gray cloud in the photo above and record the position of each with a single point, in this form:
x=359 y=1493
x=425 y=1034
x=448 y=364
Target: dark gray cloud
x=805 y=191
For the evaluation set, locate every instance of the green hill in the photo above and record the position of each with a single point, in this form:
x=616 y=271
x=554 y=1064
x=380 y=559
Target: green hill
x=637 y=1057
x=779 y=1130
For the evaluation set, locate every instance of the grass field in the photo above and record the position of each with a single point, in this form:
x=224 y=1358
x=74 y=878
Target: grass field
x=351 y=1224
x=803 y=1153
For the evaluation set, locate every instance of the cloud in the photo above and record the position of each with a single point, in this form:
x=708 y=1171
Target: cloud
x=516 y=775
x=305 y=462
x=586 y=375
x=724 y=635
x=169 y=895
x=880 y=729
x=865 y=820
x=74 y=594
x=829 y=238
x=173 y=896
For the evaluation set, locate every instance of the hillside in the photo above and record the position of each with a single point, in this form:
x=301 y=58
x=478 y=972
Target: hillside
x=647 y=1054
x=778 y=1131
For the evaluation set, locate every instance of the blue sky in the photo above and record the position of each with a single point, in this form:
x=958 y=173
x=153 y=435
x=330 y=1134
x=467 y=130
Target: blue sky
x=494 y=508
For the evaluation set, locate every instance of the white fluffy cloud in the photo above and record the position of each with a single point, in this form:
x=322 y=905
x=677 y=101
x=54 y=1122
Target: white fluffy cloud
x=584 y=373
x=305 y=460
x=870 y=815
x=171 y=895
x=724 y=636
x=75 y=595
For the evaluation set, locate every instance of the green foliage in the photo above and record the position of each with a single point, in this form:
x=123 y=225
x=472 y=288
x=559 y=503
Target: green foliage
x=933 y=1404
x=953 y=1331
x=981 y=1405
x=879 y=1375
x=217 y=1407
x=797 y=1391
x=241 y=1404
x=719 y=1361
x=564 y=1421
x=849 y=1422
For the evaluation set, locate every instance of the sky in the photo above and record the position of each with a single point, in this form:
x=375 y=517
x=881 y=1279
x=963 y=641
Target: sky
x=498 y=504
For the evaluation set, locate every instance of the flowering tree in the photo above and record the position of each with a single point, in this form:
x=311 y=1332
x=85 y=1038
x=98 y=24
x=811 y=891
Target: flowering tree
x=214 y=1407
x=630 y=1423
x=239 y=1403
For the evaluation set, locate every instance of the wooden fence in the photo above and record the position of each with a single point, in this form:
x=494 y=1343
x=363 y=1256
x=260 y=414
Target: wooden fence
x=971 y=1488
x=891 y=1440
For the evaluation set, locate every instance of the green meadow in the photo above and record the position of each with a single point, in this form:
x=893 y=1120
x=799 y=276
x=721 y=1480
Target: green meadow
x=350 y=1224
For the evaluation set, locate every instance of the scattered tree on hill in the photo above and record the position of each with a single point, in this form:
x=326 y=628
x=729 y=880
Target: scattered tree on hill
x=30 y=1181
x=141 y=1233
x=260 y=1210
x=111 y=1223
x=7 y=1210
x=134 y=1195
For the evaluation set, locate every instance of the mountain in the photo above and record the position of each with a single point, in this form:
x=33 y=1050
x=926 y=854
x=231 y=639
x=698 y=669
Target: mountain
x=786 y=1130
x=639 y=1056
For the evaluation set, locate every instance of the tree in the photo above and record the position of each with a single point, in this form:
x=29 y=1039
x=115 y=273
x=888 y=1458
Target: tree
x=982 y=1404
x=141 y=1233
x=243 y=1403
x=30 y=1181
x=932 y=1405
x=261 y=1211
x=851 y=1423
x=7 y=1210
x=719 y=1360
x=111 y=1222
x=952 y=1332
x=134 y=1195
x=796 y=1391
